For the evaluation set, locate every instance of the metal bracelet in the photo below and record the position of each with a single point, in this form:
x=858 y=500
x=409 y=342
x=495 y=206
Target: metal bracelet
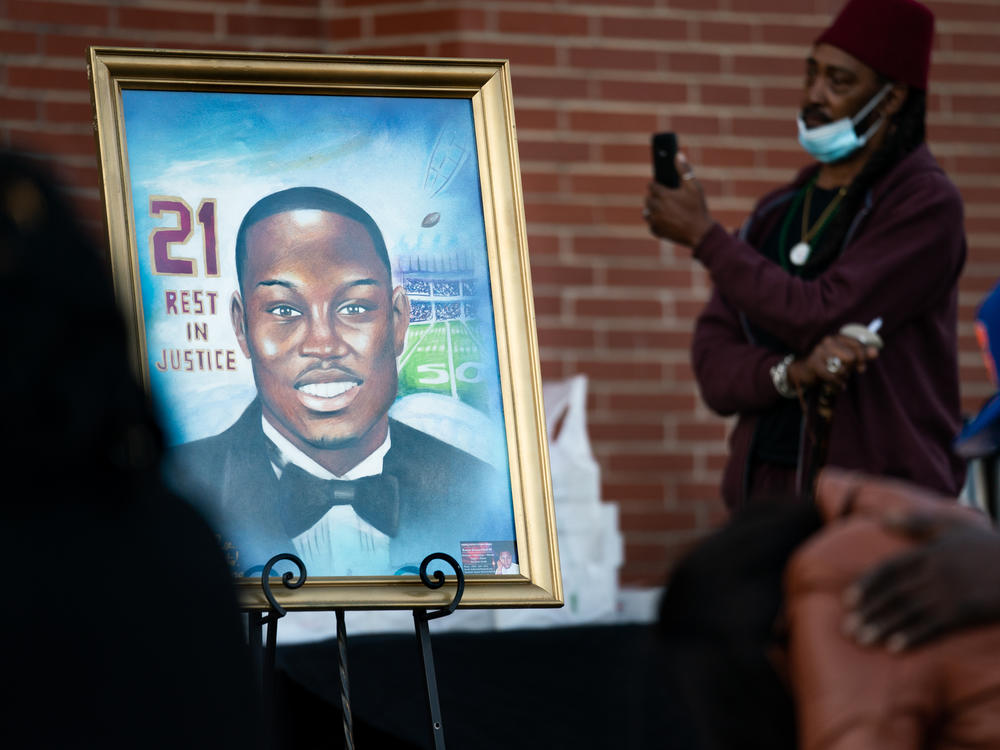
x=779 y=376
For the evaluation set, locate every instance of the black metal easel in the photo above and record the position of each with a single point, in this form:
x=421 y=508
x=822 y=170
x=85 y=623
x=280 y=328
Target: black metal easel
x=420 y=619
x=264 y=649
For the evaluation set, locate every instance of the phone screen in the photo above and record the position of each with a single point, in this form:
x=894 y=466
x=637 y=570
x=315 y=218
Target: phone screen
x=664 y=152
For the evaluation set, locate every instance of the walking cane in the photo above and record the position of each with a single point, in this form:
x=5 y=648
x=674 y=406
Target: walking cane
x=867 y=336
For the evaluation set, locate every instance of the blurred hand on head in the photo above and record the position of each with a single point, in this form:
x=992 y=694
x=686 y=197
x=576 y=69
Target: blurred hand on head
x=951 y=579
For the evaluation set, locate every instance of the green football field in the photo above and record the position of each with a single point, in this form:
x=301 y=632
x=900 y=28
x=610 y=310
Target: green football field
x=445 y=357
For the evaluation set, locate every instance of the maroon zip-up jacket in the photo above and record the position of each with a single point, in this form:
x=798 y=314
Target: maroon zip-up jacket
x=901 y=261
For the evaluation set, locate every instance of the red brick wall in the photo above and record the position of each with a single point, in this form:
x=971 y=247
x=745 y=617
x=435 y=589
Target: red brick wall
x=591 y=81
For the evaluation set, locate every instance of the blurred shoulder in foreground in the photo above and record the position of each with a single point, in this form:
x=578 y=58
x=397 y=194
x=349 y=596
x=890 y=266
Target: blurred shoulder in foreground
x=120 y=622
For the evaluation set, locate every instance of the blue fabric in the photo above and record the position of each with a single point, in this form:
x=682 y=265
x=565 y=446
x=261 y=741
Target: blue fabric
x=981 y=435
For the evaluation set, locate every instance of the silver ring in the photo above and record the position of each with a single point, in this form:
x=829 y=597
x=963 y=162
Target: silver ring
x=833 y=364
x=688 y=176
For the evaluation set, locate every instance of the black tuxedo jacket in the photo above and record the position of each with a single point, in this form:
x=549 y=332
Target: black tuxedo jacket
x=446 y=495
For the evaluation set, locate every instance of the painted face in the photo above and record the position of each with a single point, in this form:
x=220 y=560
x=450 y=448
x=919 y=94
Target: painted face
x=837 y=85
x=322 y=327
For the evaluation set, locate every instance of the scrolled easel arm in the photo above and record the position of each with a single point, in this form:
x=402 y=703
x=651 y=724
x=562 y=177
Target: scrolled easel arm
x=286 y=579
x=439 y=580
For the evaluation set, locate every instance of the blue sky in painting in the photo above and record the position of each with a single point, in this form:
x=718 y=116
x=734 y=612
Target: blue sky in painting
x=236 y=148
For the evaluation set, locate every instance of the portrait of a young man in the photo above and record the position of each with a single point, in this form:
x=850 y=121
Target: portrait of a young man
x=317 y=324
x=315 y=465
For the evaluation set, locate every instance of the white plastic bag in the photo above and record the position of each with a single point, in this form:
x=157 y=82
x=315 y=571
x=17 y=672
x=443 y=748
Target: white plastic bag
x=590 y=545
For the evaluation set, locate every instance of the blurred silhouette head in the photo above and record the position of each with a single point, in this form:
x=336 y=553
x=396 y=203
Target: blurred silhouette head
x=73 y=410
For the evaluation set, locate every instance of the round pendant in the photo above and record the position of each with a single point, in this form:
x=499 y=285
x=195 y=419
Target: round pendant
x=800 y=253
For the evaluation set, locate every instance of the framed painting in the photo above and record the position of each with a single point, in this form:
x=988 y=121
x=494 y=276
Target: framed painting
x=324 y=267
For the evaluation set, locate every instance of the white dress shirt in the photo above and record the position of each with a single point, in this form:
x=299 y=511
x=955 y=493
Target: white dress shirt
x=341 y=543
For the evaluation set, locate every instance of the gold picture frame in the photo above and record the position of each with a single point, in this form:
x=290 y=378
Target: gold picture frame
x=188 y=141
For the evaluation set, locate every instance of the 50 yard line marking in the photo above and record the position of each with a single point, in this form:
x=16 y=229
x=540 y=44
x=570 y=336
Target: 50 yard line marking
x=472 y=335
x=451 y=361
x=412 y=349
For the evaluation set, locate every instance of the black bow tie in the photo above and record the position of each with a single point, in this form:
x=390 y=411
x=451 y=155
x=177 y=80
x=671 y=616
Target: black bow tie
x=303 y=499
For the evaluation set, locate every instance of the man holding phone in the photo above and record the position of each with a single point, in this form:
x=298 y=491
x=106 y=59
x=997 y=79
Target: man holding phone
x=871 y=231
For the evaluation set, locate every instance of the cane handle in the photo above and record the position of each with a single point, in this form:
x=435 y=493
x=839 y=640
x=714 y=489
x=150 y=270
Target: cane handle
x=862 y=334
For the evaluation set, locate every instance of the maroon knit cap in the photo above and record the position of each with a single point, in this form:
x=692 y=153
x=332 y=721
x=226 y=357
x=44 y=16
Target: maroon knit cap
x=893 y=37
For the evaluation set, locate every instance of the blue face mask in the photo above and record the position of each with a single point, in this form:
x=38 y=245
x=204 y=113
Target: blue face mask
x=838 y=139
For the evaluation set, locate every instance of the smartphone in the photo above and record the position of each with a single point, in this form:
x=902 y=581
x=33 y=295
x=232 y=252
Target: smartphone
x=664 y=153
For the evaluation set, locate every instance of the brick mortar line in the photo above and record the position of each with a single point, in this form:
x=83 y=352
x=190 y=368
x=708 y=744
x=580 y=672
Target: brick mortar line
x=808 y=20
x=48 y=127
x=753 y=82
x=630 y=43
x=662 y=294
x=656 y=537
x=194 y=6
x=973 y=28
x=56 y=96
x=646 y=45
x=649 y=326
x=979 y=179
x=594 y=11
x=733 y=115
x=628 y=170
x=984 y=3
x=528 y=38
x=756 y=84
x=966 y=88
